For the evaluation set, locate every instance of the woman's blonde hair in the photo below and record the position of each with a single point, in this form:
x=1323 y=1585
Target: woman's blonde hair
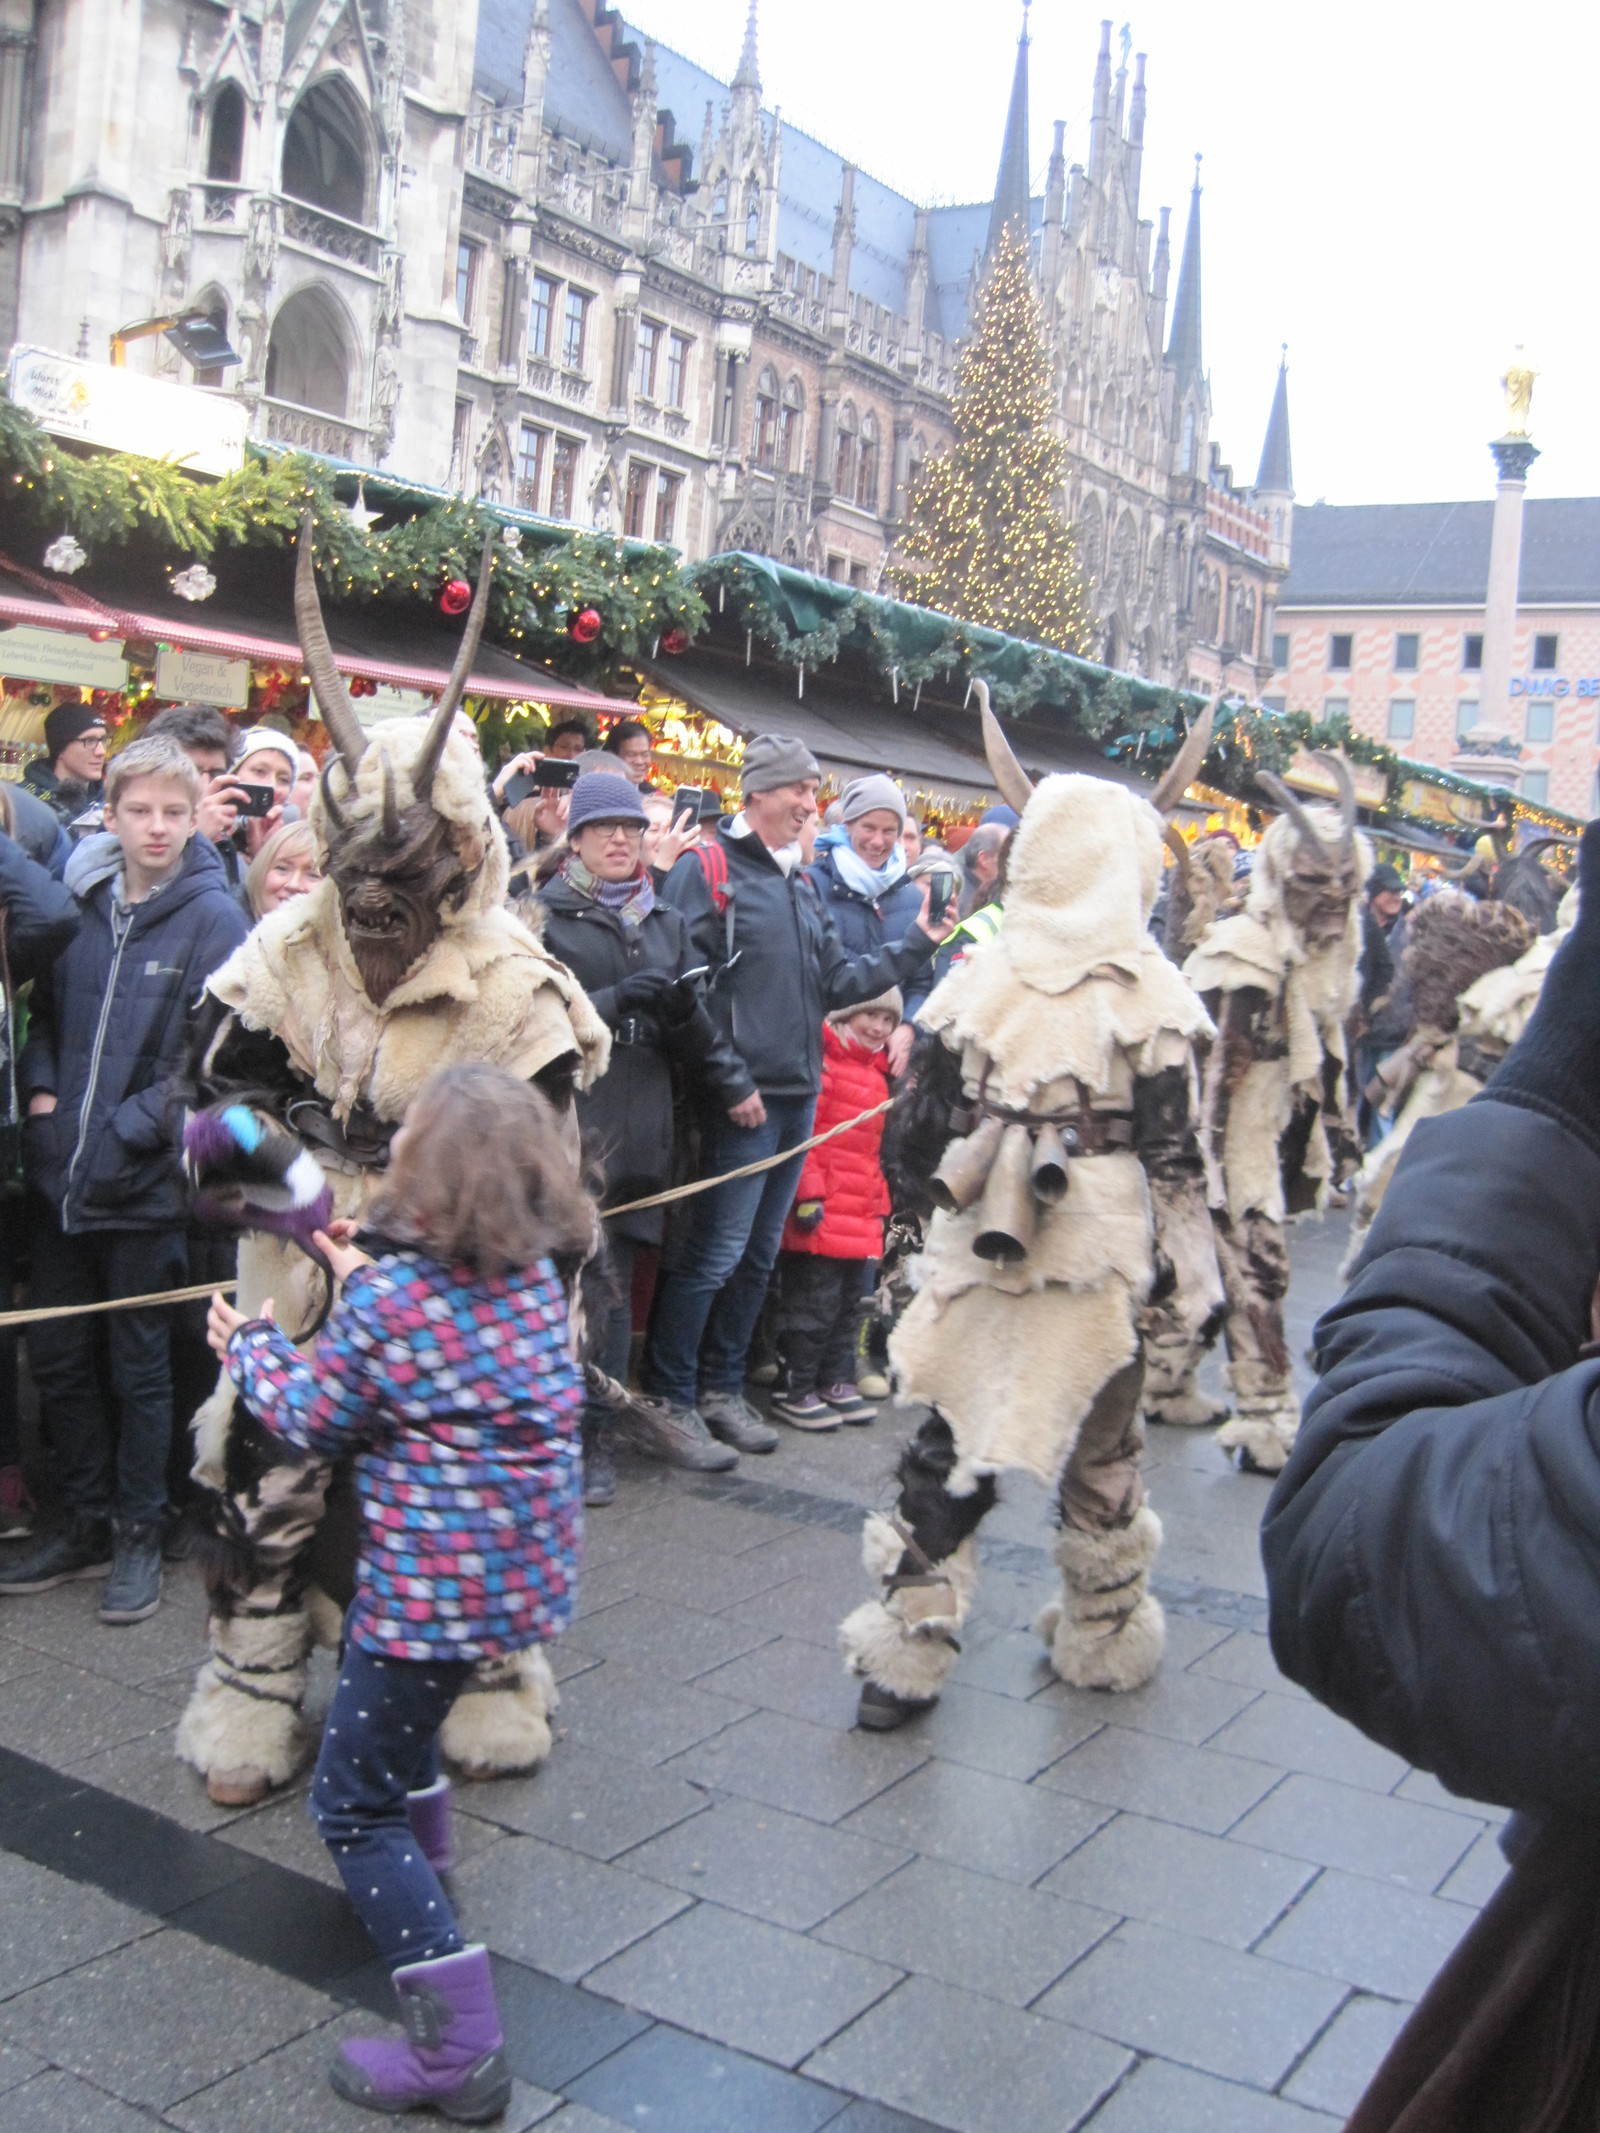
x=288 y=840
x=480 y=1177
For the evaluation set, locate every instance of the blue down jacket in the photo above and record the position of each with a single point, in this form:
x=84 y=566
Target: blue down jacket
x=107 y=1035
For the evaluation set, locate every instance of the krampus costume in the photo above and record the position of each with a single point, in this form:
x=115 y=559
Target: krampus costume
x=1068 y=1044
x=326 y=1023
x=1280 y=979
x=1449 y=1051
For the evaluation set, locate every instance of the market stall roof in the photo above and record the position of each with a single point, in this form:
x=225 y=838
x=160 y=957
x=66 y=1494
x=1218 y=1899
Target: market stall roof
x=937 y=746
x=383 y=645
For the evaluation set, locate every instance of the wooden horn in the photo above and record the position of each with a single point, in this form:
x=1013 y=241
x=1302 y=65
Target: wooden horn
x=427 y=762
x=333 y=699
x=1011 y=781
x=1181 y=772
x=1178 y=845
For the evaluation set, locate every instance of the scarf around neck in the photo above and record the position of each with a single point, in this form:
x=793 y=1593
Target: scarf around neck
x=632 y=900
x=854 y=872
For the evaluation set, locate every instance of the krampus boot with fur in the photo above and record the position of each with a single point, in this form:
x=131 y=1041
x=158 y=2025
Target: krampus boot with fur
x=903 y=1645
x=452 y=2057
x=1266 y=1421
x=500 y=1723
x=242 y=1728
x=428 y=1812
x=1170 y=1392
x=1107 y=1630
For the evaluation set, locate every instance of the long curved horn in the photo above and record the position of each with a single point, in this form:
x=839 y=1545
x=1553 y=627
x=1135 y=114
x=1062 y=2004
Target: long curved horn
x=427 y=762
x=1181 y=772
x=1011 y=781
x=333 y=699
x=1282 y=798
x=329 y=802
x=391 y=805
x=1177 y=844
x=1339 y=770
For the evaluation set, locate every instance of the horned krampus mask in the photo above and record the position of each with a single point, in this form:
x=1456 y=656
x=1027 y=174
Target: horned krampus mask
x=398 y=864
x=1323 y=876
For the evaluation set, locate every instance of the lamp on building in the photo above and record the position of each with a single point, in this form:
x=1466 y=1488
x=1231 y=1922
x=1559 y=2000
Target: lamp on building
x=195 y=334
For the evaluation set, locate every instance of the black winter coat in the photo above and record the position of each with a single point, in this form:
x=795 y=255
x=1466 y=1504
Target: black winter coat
x=627 y=1117
x=789 y=966
x=36 y=829
x=107 y=1038
x=40 y=919
x=865 y=924
x=1433 y=1546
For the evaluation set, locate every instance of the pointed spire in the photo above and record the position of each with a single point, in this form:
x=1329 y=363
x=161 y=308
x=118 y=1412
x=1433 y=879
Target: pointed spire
x=1183 y=350
x=749 y=74
x=1012 y=196
x=1276 y=477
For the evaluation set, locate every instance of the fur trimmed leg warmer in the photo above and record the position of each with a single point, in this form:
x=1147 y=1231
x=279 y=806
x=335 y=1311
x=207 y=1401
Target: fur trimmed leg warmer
x=499 y=1726
x=242 y=1728
x=1107 y=1630
x=907 y=1641
x=1170 y=1392
x=1267 y=1421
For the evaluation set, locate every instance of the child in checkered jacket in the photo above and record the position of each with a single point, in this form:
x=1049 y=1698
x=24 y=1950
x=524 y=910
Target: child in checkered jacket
x=445 y=1369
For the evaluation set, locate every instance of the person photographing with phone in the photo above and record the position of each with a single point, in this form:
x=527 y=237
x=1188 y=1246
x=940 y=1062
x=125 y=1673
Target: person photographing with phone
x=863 y=882
x=634 y=957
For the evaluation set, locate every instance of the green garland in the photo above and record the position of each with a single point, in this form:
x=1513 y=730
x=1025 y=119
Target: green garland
x=110 y=500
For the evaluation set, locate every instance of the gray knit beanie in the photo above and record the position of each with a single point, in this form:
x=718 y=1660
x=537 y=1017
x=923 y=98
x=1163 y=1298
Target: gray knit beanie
x=773 y=759
x=604 y=796
x=863 y=796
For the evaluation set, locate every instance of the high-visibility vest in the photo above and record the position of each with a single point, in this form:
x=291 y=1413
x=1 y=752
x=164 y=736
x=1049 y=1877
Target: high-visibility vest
x=972 y=932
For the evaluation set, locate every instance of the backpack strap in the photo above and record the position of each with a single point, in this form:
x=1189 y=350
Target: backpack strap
x=714 y=865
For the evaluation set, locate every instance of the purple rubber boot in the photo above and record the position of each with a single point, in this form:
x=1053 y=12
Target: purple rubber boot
x=451 y=2059
x=428 y=1812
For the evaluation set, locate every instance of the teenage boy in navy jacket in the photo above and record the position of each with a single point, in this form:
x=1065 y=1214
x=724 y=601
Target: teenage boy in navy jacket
x=108 y=1034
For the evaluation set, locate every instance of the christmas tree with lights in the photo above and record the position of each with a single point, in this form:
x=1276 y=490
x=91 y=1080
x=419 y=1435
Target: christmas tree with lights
x=985 y=538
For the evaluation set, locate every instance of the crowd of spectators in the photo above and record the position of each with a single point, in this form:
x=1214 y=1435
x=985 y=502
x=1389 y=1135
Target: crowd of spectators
x=747 y=965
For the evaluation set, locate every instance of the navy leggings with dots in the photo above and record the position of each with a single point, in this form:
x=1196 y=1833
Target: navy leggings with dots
x=381 y=1742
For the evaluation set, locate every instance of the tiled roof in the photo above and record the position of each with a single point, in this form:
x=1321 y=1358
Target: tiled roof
x=1437 y=555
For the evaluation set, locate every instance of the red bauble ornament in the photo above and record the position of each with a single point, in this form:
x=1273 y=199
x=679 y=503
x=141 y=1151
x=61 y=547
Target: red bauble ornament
x=676 y=640
x=456 y=597
x=586 y=625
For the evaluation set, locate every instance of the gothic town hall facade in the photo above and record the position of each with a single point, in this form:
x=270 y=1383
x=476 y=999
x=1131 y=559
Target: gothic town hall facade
x=514 y=247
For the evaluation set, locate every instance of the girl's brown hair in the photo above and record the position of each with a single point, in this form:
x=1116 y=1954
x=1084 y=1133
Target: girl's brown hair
x=480 y=1177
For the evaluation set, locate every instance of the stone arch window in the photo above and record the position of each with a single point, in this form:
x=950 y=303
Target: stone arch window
x=792 y=426
x=308 y=354
x=1091 y=539
x=1108 y=415
x=1247 y=622
x=1073 y=397
x=719 y=202
x=766 y=420
x=326 y=156
x=844 y=465
x=867 y=463
x=752 y=217
x=1186 y=453
x=225 y=137
x=1125 y=558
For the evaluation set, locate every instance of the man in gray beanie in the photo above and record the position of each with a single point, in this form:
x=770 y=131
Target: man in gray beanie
x=777 y=967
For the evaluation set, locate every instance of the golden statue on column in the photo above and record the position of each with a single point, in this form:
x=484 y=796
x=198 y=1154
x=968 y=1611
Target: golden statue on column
x=1518 y=383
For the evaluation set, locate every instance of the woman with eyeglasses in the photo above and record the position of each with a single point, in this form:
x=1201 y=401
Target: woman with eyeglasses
x=634 y=958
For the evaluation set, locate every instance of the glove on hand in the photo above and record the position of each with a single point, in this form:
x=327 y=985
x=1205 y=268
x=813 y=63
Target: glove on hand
x=1555 y=1066
x=808 y=1215
x=643 y=991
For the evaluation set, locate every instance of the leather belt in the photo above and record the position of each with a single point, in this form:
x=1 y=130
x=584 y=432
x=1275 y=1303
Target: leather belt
x=637 y=1029
x=362 y=1140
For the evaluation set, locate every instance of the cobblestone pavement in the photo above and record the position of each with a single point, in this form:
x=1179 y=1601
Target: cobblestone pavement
x=1202 y=1908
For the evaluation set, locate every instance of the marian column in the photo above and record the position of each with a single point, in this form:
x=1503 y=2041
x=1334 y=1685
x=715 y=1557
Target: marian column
x=1482 y=754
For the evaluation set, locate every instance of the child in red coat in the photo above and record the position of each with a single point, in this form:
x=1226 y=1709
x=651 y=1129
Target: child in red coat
x=835 y=1230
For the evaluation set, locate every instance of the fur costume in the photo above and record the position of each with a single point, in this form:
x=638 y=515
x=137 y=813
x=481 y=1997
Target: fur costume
x=1023 y=1333
x=1280 y=978
x=310 y=1024
x=1459 y=952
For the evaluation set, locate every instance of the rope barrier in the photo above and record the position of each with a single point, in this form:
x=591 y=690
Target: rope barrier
x=200 y=1289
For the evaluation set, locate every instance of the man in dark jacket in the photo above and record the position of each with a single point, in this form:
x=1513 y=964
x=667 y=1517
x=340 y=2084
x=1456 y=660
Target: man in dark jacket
x=108 y=1033
x=67 y=777
x=1431 y=1549
x=864 y=887
x=777 y=967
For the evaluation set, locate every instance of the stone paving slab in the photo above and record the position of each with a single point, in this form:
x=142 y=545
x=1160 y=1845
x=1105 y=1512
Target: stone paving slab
x=672 y=2083
x=1333 y=2074
x=800 y=1679
x=48 y=1926
x=787 y=1763
x=1213 y=1887
x=590 y=1802
x=971 y=2064
x=1389 y=1941
x=1391 y=1840
x=633 y=1713
x=1167 y=1780
x=155 y=2022
x=63 y=1713
x=1229 y=2014
x=56 y=2101
x=555 y=1909
x=1296 y=1734
x=784 y=1868
x=991 y=1824
x=968 y=1930
x=649 y=1635
x=1161 y=2098
x=742 y=1982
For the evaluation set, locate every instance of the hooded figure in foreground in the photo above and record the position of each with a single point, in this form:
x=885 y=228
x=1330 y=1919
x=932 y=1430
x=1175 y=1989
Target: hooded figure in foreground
x=1063 y=1066
x=1279 y=979
x=315 y=1035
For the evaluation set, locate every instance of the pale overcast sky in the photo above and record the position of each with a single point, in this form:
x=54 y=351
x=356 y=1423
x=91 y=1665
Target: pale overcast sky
x=1399 y=191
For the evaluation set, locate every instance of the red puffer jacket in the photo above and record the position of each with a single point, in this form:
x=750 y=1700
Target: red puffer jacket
x=845 y=1175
